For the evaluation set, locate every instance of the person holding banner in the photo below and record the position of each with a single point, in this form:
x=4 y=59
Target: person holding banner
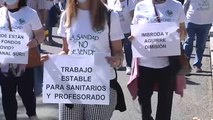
x=89 y=19
x=157 y=69
x=16 y=17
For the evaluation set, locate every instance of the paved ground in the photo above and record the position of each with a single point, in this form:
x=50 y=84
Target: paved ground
x=197 y=100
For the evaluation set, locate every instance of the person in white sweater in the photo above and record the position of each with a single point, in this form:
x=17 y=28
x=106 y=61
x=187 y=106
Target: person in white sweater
x=159 y=70
x=199 y=14
x=17 y=17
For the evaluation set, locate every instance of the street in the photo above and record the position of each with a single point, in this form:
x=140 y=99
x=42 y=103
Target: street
x=196 y=102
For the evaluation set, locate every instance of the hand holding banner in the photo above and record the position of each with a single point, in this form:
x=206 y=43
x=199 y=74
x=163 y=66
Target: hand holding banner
x=155 y=39
x=75 y=80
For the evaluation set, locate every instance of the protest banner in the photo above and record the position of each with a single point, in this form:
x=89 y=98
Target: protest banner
x=13 y=47
x=75 y=80
x=155 y=40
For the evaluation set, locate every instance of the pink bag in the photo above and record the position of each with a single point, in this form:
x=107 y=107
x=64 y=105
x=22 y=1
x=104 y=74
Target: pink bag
x=132 y=84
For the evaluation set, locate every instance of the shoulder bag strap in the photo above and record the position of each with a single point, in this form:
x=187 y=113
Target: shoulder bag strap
x=156 y=13
x=109 y=26
x=8 y=20
x=13 y=67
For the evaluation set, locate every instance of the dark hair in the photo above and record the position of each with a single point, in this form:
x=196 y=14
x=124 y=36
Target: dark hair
x=22 y=3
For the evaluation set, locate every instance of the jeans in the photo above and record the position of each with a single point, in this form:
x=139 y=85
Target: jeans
x=201 y=33
x=50 y=36
x=24 y=85
x=127 y=49
x=147 y=79
x=52 y=20
x=38 y=80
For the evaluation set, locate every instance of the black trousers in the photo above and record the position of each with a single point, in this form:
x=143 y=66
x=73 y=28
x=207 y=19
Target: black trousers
x=147 y=78
x=25 y=87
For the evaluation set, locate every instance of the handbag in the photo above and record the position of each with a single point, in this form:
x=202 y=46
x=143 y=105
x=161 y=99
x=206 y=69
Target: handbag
x=33 y=54
x=34 y=59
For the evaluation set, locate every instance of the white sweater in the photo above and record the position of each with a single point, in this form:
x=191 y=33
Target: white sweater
x=199 y=11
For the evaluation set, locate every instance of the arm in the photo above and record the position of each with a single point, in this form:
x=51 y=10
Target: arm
x=116 y=34
x=37 y=30
x=38 y=38
x=61 y=32
x=182 y=31
x=65 y=49
x=134 y=20
x=131 y=7
x=117 y=54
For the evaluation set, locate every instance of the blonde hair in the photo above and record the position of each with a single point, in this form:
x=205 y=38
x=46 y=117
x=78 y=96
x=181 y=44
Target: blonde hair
x=71 y=11
x=97 y=13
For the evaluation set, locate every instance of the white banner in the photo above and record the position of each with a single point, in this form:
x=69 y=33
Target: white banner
x=13 y=47
x=69 y=79
x=155 y=39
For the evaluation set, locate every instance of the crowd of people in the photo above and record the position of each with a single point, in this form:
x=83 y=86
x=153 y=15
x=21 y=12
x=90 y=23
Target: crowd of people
x=110 y=21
